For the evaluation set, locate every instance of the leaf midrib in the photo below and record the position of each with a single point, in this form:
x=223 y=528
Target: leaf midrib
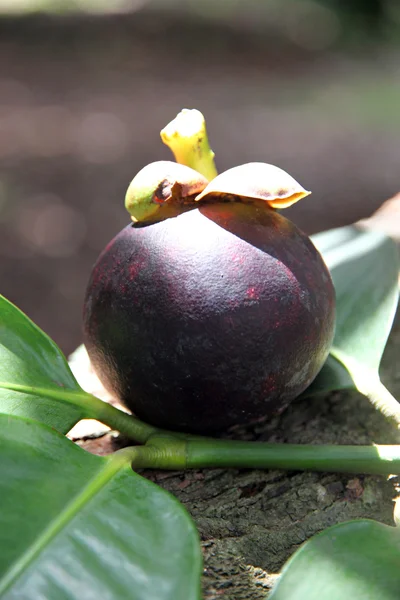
x=97 y=483
x=69 y=396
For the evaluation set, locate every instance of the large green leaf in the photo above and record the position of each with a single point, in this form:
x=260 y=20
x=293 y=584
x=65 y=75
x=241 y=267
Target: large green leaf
x=35 y=380
x=365 y=271
x=364 y=266
x=74 y=525
x=358 y=560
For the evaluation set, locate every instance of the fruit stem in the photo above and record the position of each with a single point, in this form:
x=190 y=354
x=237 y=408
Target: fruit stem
x=187 y=137
x=381 y=460
x=175 y=451
x=161 y=451
x=172 y=451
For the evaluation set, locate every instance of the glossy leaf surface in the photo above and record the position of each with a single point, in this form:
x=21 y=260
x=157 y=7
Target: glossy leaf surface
x=35 y=379
x=364 y=266
x=358 y=560
x=74 y=525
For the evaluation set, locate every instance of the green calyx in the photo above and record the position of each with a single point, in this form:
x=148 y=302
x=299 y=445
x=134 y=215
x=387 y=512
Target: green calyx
x=161 y=188
x=158 y=188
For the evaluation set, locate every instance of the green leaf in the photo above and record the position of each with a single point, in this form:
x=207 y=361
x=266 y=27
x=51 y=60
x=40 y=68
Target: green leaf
x=364 y=266
x=35 y=380
x=365 y=271
x=91 y=527
x=358 y=560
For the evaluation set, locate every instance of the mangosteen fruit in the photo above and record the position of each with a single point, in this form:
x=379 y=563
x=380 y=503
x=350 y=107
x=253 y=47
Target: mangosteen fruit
x=210 y=309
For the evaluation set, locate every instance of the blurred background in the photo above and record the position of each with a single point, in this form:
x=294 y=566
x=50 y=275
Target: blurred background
x=86 y=85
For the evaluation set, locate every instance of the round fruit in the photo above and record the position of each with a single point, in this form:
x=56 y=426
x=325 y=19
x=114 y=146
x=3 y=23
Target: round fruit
x=218 y=316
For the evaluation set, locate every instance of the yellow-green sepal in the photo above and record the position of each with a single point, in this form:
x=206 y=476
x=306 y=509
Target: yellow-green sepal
x=158 y=184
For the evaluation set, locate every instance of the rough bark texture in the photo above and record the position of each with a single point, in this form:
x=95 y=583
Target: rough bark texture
x=251 y=521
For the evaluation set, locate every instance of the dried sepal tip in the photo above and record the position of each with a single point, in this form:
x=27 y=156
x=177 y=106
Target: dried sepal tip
x=160 y=183
x=256 y=181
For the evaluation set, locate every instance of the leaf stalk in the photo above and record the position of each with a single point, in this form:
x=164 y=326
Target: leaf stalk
x=380 y=460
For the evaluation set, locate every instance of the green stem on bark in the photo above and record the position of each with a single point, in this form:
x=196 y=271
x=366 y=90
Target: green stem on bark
x=381 y=460
x=187 y=137
x=176 y=451
x=166 y=452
